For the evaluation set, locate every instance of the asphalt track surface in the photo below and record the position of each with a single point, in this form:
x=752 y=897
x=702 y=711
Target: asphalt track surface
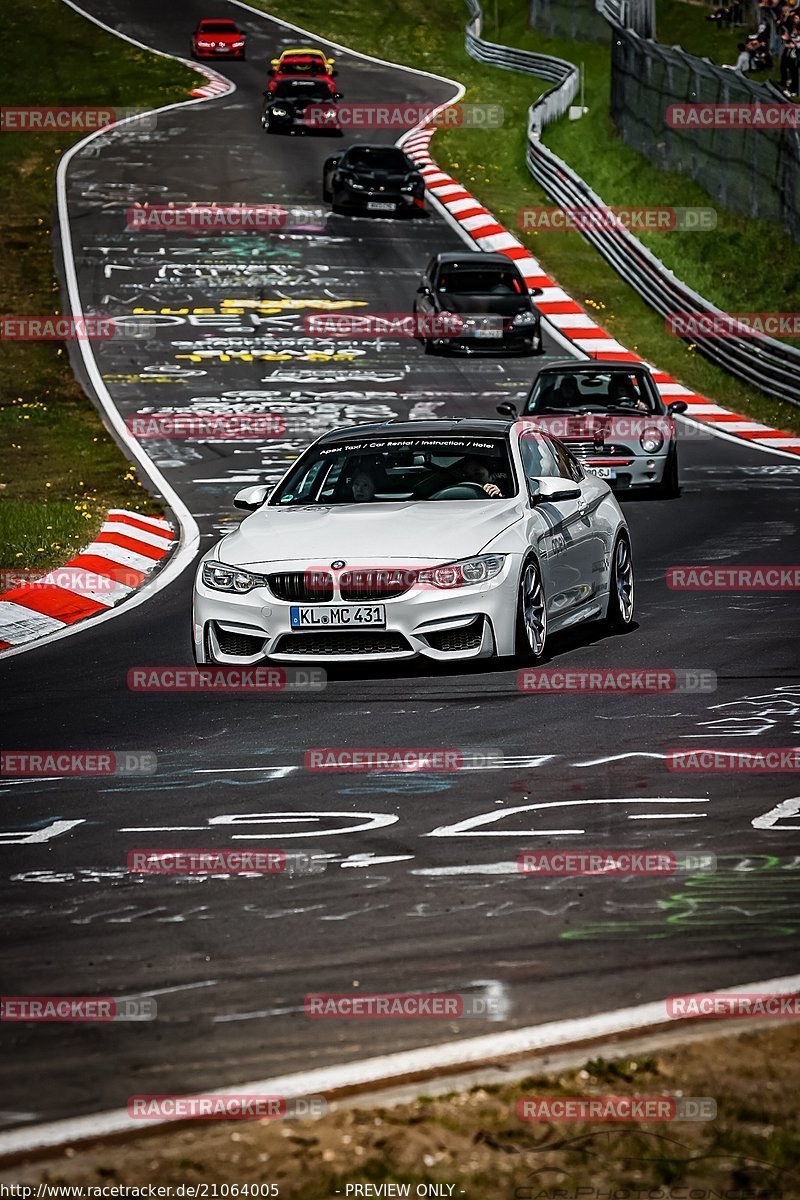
x=411 y=897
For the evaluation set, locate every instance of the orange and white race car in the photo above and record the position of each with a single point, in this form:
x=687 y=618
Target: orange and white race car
x=302 y=60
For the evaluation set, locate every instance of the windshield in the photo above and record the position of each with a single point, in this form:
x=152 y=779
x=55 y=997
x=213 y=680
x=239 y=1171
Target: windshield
x=377 y=158
x=481 y=281
x=393 y=470
x=218 y=27
x=305 y=89
x=601 y=391
x=299 y=66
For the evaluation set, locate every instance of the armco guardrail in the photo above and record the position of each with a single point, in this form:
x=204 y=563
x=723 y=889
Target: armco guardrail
x=761 y=362
x=565 y=75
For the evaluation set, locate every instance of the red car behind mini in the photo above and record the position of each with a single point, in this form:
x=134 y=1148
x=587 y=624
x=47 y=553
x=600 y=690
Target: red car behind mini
x=217 y=37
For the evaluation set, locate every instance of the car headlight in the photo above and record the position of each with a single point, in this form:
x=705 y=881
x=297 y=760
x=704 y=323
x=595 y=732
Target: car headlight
x=524 y=318
x=230 y=579
x=464 y=573
x=238 y=45
x=651 y=440
x=351 y=181
x=278 y=112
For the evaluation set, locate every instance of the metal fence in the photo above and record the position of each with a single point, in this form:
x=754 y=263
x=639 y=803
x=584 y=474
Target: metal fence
x=764 y=363
x=755 y=172
x=578 y=19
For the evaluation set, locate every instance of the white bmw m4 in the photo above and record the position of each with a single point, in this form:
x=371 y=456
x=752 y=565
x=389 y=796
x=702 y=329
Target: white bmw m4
x=447 y=539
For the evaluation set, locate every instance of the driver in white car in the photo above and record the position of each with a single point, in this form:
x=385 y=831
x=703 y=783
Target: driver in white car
x=476 y=471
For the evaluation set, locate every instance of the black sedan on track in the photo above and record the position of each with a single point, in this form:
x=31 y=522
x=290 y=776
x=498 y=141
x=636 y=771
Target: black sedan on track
x=486 y=302
x=301 y=106
x=376 y=180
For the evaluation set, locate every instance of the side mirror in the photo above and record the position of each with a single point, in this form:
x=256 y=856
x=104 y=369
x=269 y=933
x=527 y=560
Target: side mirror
x=677 y=406
x=507 y=409
x=338 y=95
x=548 y=487
x=251 y=498
x=424 y=290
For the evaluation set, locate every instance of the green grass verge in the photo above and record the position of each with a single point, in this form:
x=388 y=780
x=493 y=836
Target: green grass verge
x=743 y=266
x=59 y=468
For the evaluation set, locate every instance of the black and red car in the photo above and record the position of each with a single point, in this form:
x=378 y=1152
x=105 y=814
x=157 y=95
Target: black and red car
x=217 y=37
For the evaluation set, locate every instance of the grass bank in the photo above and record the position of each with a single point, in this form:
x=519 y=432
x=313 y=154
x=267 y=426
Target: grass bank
x=59 y=468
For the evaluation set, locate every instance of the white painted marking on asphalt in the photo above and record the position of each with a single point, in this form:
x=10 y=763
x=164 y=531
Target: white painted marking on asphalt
x=608 y=758
x=27 y=837
x=786 y=808
x=373 y=860
x=665 y=816
x=496 y=868
x=467 y=827
x=179 y=987
x=374 y=1072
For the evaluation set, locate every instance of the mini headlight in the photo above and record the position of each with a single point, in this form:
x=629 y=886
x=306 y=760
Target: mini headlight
x=524 y=318
x=230 y=579
x=464 y=573
x=278 y=112
x=651 y=440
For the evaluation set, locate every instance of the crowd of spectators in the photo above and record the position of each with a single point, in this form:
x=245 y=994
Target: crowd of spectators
x=775 y=41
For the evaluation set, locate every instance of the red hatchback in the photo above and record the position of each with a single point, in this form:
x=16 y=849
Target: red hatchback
x=217 y=38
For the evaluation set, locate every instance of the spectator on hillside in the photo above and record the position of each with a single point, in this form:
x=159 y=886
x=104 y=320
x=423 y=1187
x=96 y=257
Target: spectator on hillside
x=789 y=61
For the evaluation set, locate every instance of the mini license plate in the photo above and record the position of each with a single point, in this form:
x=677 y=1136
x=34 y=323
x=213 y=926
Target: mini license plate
x=316 y=616
x=381 y=206
x=600 y=472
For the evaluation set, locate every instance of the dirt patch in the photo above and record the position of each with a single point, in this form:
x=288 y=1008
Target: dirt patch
x=475 y=1144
